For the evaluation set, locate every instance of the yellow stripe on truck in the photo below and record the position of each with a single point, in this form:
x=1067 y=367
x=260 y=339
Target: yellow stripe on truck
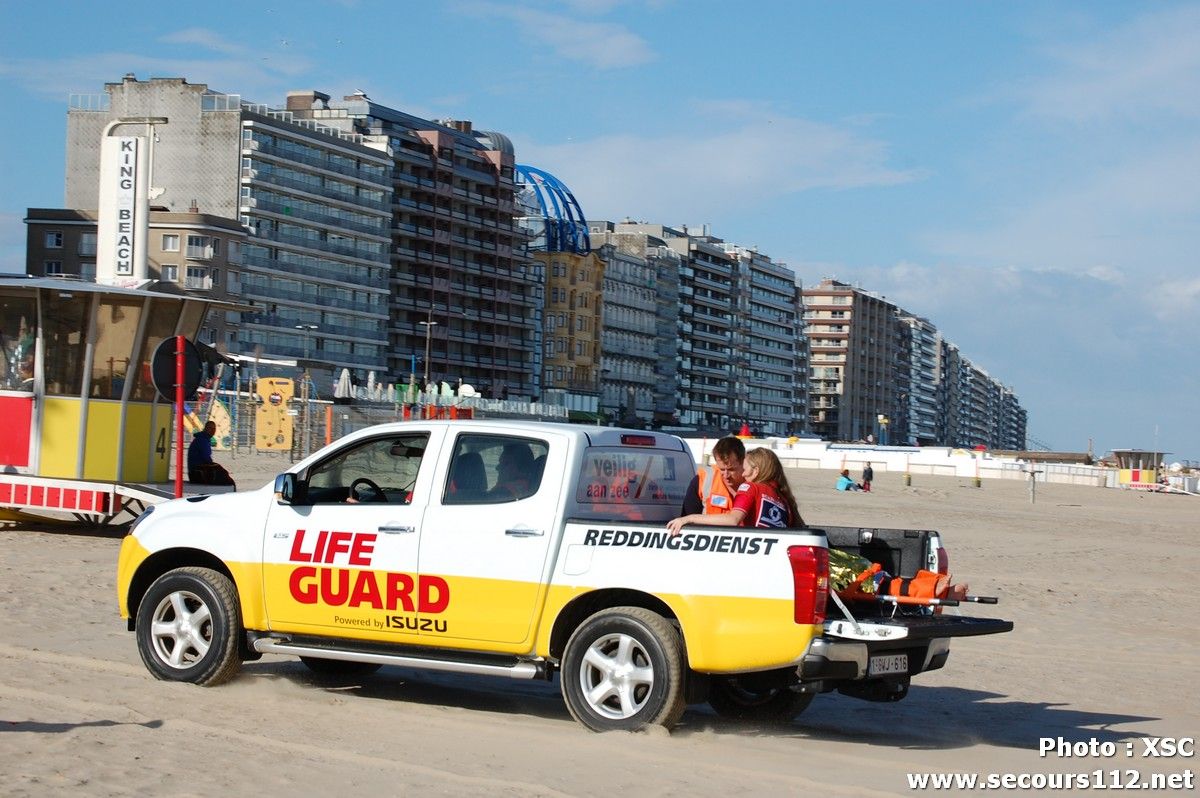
x=246 y=578
x=724 y=634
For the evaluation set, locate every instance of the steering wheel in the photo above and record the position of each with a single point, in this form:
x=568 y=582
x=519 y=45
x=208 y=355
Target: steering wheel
x=377 y=492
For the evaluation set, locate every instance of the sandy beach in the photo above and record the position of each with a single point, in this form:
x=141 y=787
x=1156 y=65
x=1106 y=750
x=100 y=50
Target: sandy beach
x=1100 y=583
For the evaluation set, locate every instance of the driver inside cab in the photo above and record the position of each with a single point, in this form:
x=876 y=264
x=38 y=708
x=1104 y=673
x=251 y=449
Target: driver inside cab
x=382 y=470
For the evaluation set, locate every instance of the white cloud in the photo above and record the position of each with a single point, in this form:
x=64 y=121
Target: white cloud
x=258 y=77
x=601 y=7
x=1150 y=65
x=725 y=162
x=202 y=37
x=602 y=45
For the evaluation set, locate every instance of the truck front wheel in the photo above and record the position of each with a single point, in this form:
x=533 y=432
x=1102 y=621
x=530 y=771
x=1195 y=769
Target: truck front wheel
x=731 y=698
x=188 y=625
x=623 y=670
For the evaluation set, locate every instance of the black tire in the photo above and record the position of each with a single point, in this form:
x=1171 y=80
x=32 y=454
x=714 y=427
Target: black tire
x=733 y=699
x=647 y=653
x=339 y=668
x=188 y=627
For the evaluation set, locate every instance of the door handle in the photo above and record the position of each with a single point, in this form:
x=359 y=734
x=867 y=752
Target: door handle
x=524 y=532
x=395 y=529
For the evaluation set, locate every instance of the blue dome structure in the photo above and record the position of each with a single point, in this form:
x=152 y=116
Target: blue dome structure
x=563 y=226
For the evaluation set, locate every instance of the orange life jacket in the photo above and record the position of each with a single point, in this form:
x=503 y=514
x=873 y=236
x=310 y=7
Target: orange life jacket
x=714 y=493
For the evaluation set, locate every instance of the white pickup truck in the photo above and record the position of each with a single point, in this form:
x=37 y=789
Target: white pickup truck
x=520 y=549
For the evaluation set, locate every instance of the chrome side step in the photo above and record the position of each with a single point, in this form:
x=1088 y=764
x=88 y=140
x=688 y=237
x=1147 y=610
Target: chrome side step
x=519 y=670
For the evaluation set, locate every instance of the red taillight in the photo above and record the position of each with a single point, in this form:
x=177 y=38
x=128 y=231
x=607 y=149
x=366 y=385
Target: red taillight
x=638 y=440
x=943 y=561
x=810 y=578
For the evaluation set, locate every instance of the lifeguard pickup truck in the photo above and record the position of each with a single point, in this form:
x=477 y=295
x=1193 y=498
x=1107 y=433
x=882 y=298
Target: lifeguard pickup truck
x=521 y=549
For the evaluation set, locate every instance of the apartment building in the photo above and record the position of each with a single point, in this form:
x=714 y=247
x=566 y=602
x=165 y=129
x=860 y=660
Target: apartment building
x=978 y=410
x=921 y=376
x=772 y=385
x=735 y=327
x=572 y=329
x=640 y=343
x=373 y=236
x=315 y=203
x=462 y=284
x=859 y=387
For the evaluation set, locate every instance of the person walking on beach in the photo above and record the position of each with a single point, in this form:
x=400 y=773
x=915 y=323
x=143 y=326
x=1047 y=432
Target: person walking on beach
x=763 y=501
x=868 y=476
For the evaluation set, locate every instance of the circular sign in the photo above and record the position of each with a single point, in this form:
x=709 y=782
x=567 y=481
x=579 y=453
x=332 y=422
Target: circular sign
x=162 y=369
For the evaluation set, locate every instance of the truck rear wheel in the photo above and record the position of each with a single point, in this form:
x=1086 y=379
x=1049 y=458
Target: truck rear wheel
x=623 y=670
x=188 y=625
x=731 y=698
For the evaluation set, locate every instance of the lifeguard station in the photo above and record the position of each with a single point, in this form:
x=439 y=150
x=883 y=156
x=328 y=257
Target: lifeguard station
x=1138 y=468
x=83 y=425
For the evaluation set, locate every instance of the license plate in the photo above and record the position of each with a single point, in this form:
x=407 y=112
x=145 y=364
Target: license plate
x=888 y=664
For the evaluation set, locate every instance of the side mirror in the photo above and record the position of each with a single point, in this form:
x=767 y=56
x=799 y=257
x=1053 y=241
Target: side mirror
x=285 y=488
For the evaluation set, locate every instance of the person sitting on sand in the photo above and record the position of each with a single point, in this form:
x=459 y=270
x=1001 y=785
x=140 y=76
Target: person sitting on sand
x=845 y=482
x=201 y=468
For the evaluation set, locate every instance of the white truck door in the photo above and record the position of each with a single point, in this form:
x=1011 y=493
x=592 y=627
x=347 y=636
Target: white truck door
x=342 y=558
x=490 y=523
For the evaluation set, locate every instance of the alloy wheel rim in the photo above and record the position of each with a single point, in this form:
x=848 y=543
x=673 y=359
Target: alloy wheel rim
x=616 y=676
x=181 y=629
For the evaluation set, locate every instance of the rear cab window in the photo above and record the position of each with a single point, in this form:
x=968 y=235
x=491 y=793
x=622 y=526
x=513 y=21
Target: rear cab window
x=634 y=483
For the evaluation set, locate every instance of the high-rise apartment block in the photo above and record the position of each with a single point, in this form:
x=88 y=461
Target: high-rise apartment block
x=881 y=374
x=461 y=280
x=363 y=222
x=739 y=345
x=640 y=341
x=772 y=378
x=571 y=329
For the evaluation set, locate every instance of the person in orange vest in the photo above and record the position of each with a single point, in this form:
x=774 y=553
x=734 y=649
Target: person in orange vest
x=764 y=500
x=711 y=491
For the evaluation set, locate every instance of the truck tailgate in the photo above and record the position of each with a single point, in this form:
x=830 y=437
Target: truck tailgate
x=926 y=627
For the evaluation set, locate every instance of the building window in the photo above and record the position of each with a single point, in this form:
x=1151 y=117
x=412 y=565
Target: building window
x=199 y=247
x=54 y=239
x=197 y=277
x=52 y=267
x=170 y=242
x=170 y=271
x=87 y=271
x=87 y=244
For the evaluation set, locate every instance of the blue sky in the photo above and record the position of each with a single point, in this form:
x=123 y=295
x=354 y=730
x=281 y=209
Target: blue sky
x=1023 y=174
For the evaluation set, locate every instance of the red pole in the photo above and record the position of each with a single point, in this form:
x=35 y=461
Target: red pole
x=178 y=416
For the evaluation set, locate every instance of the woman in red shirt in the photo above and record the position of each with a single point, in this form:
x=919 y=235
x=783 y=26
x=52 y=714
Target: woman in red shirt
x=764 y=500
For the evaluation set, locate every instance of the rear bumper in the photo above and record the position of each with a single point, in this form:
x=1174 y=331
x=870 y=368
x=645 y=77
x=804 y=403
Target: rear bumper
x=926 y=641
